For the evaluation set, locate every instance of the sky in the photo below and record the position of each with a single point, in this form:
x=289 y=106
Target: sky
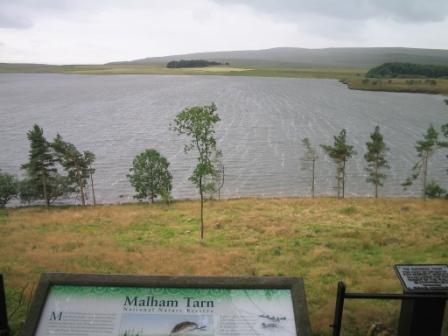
x=100 y=31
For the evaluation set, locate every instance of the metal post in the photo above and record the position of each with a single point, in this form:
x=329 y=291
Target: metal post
x=421 y=313
x=4 y=327
x=421 y=317
x=339 y=309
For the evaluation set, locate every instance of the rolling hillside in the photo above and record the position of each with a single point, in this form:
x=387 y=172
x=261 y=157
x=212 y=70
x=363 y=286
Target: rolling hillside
x=301 y=57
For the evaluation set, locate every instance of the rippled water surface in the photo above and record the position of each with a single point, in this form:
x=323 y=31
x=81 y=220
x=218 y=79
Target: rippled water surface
x=263 y=122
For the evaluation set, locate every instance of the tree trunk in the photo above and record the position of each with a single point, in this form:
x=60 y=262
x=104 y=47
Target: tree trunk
x=222 y=183
x=83 y=196
x=312 y=180
x=376 y=178
x=338 y=179
x=376 y=189
x=343 y=179
x=44 y=186
x=80 y=185
x=425 y=174
x=202 y=207
x=93 y=189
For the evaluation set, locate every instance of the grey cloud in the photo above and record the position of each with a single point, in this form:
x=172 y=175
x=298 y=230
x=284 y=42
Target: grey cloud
x=20 y=14
x=399 y=10
x=14 y=22
x=31 y=6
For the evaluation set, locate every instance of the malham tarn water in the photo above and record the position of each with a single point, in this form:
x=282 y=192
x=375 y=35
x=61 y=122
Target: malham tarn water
x=263 y=123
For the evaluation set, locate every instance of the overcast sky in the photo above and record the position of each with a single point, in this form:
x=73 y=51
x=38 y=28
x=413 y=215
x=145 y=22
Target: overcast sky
x=99 y=31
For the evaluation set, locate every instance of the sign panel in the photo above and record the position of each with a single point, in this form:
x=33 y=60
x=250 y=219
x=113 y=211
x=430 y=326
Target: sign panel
x=203 y=306
x=423 y=278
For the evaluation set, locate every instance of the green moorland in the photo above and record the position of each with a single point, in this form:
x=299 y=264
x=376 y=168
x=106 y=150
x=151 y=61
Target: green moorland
x=323 y=240
x=353 y=77
x=161 y=69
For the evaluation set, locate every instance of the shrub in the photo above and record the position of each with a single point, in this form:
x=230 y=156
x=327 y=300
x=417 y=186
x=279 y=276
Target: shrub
x=8 y=188
x=434 y=190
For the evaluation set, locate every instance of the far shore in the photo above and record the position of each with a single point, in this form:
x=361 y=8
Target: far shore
x=353 y=77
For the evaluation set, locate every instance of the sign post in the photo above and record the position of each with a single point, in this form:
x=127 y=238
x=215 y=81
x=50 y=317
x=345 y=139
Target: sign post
x=97 y=305
x=422 y=316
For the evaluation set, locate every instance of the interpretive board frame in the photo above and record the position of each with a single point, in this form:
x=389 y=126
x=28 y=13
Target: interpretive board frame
x=47 y=280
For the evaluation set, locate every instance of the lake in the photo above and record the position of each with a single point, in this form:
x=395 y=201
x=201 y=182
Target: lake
x=263 y=121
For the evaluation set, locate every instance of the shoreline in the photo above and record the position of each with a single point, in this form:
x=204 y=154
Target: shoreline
x=229 y=199
x=353 y=78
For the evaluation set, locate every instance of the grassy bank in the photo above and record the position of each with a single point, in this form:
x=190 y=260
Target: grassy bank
x=418 y=85
x=322 y=240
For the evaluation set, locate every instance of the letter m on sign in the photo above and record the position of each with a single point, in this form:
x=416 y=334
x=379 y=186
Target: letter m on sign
x=56 y=316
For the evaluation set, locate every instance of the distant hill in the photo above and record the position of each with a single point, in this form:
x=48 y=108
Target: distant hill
x=301 y=57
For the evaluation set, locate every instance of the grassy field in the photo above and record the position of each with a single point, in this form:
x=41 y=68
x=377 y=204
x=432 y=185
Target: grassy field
x=322 y=240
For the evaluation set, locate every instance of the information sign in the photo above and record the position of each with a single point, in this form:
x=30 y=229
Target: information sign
x=423 y=278
x=90 y=305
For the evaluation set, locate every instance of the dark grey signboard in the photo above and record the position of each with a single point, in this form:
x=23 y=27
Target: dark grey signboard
x=99 y=305
x=423 y=278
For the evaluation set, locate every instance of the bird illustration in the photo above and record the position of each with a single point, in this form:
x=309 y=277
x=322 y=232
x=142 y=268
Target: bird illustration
x=184 y=327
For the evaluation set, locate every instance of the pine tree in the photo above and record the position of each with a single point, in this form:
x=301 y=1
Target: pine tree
x=76 y=164
x=340 y=152
x=41 y=162
x=425 y=149
x=376 y=159
x=309 y=161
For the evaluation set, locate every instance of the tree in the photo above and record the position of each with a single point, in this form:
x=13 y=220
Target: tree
x=220 y=178
x=444 y=129
x=150 y=175
x=214 y=183
x=8 y=188
x=340 y=152
x=191 y=64
x=434 y=190
x=28 y=191
x=90 y=158
x=76 y=164
x=57 y=186
x=376 y=159
x=41 y=162
x=425 y=149
x=393 y=70
x=309 y=161
x=198 y=123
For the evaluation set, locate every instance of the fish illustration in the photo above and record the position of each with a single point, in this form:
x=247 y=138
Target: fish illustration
x=184 y=327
